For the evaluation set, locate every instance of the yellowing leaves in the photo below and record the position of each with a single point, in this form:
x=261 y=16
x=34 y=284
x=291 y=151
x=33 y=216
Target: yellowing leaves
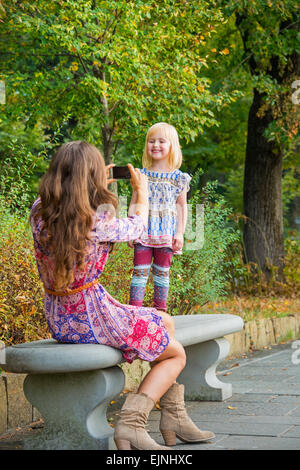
x=188 y=70
x=74 y=66
x=223 y=51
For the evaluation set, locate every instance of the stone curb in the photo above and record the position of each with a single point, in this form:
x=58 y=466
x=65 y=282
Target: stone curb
x=264 y=332
x=15 y=410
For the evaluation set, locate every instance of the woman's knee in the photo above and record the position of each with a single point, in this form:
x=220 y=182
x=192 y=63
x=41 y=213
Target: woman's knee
x=176 y=351
x=182 y=356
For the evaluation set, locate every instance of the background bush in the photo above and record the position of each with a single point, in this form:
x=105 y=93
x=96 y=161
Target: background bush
x=21 y=293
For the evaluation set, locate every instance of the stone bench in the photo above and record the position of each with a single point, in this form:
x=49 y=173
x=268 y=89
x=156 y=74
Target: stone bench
x=71 y=385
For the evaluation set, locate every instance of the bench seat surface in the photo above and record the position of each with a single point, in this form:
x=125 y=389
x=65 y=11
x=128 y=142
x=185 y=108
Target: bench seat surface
x=49 y=356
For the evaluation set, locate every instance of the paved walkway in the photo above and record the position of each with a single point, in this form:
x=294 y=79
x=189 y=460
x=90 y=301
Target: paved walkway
x=262 y=414
x=264 y=410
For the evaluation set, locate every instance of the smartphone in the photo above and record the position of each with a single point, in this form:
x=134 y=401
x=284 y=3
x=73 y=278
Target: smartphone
x=121 y=172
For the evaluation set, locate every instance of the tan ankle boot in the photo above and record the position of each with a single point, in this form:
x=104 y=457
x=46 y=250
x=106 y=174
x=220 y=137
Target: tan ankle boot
x=175 y=420
x=130 y=432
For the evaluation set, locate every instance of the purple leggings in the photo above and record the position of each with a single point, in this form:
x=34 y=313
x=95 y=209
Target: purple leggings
x=160 y=272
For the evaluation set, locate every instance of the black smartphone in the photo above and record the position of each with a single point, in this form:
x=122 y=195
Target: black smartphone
x=121 y=172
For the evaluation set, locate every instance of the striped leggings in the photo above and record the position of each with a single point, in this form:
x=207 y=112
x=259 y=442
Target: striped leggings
x=160 y=271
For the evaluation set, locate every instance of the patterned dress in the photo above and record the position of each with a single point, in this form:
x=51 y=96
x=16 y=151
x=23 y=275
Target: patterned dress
x=164 y=189
x=93 y=315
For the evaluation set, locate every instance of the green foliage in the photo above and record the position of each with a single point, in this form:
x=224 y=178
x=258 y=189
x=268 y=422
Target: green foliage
x=233 y=191
x=200 y=275
x=116 y=67
x=270 y=31
x=21 y=293
x=21 y=169
x=292 y=265
x=247 y=279
x=17 y=167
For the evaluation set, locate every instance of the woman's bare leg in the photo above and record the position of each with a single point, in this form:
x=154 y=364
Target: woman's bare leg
x=168 y=322
x=166 y=368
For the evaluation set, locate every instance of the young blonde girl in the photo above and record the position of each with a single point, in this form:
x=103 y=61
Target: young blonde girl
x=71 y=241
x=168 y=188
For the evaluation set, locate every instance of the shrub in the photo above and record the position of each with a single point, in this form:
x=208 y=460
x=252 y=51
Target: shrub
x=201 y=275
x=21 y=293
x=248 y=279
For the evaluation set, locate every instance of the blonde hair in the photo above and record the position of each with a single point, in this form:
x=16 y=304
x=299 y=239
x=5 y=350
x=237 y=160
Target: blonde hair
x=170 y=133
x=70 y=191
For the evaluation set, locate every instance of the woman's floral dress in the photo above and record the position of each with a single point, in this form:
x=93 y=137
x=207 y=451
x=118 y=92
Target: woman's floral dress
x=93 y=315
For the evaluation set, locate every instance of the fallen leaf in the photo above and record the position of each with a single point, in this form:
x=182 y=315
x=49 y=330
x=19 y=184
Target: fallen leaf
x=231 y=407
x=227 y=373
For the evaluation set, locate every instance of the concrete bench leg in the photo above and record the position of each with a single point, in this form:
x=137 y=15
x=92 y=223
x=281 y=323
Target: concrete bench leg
x=74 y=406
x=199 y=375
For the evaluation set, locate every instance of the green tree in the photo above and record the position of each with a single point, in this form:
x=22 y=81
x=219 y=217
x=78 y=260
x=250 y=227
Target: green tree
x=114 y=67
x=270 y=35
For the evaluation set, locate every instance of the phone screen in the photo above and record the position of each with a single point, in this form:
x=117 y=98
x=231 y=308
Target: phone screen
x=121 y=172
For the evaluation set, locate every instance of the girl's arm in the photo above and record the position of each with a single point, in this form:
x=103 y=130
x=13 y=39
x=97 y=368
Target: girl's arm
x=181 y=204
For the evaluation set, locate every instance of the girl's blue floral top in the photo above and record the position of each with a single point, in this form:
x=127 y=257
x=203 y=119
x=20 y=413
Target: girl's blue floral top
x=164 y=189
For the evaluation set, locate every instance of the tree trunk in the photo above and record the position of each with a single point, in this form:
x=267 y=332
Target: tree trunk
x=108 y=147
x=263 y=229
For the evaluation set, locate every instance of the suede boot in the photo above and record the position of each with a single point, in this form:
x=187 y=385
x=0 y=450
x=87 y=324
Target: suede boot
x=130 y=432
x=175 y=420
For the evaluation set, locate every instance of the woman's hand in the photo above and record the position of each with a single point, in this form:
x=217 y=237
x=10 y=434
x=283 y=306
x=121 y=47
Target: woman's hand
x=130 y=243
x=138 y=181
x=109 y=180
x=177 y=243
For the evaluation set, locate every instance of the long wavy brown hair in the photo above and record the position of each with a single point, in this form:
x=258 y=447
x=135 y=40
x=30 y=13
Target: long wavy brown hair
x=71 y=190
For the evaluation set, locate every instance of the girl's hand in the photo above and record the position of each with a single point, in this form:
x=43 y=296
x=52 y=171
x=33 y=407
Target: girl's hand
x=109 y=180
x=130 y=244
x=177 y=243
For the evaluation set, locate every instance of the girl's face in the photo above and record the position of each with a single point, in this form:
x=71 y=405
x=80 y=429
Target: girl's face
x=158 y=146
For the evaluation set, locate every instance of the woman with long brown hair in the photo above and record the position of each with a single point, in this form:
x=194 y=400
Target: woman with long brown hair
x=73 y=223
